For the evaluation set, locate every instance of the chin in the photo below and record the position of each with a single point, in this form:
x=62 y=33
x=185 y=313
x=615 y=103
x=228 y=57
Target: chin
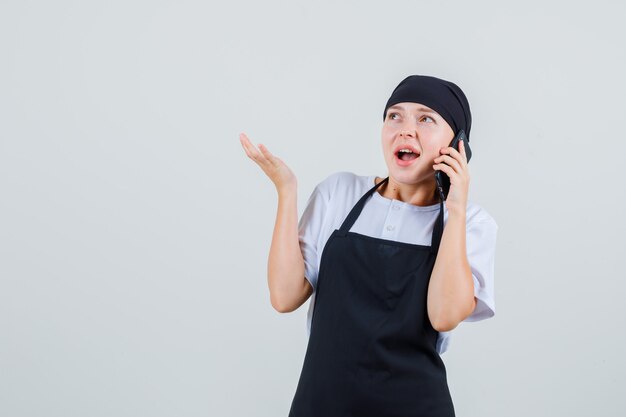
x=410 y=175
x=402 y=176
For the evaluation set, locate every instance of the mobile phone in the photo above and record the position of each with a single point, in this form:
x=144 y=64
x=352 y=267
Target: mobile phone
x=443 y=180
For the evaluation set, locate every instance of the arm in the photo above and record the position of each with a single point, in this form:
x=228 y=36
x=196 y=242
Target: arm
x=289 y=289
x=451 y=288
x=285 y=270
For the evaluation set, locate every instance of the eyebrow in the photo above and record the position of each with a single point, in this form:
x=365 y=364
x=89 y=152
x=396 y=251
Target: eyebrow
x=422 y=109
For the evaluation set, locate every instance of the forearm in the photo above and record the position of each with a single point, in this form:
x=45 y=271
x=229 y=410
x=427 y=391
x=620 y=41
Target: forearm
x=451 y=287
x=285 y=263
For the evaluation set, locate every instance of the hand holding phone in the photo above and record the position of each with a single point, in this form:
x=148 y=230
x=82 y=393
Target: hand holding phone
x=443 y=180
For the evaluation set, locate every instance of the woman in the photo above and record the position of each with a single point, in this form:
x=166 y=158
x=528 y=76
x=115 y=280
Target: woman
x=391 y=271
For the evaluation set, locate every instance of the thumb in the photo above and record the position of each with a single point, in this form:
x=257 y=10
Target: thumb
x=267 y=153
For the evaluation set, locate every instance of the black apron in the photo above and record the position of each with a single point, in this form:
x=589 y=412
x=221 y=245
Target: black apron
x=372 y=349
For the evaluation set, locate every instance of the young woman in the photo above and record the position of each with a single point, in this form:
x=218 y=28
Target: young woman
x=390 y=270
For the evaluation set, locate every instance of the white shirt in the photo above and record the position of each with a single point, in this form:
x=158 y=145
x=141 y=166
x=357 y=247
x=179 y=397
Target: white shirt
x=333 y=198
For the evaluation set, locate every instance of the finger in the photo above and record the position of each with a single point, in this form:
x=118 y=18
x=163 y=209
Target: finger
x=252 y=151
x=245 y=144
x=449 y=161
x=268 y=155
x=453 y=153
x=243 y=138
x=445 y=168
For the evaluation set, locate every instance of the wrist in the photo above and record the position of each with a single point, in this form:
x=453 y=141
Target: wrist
x=287 y=191
x=456 y=212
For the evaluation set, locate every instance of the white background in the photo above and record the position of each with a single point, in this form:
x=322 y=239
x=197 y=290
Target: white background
x=134 y=231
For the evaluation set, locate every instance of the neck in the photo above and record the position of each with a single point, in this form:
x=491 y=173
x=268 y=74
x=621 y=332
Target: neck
x=421 y=194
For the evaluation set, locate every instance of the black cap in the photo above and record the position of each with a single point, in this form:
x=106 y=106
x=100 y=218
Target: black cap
x=444 y=97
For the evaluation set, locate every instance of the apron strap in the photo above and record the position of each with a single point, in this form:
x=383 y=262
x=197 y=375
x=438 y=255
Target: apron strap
x=358 y=207
x=437 y=230
x=356 y=210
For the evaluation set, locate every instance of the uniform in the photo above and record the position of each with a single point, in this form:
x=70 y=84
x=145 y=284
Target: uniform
x=372 y=350
x=332 y=199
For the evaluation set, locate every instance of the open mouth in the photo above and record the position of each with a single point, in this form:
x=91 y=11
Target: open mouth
x=406 y=155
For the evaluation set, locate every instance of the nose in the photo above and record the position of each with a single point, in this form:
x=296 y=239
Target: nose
x=407 y=133
x=408 y=129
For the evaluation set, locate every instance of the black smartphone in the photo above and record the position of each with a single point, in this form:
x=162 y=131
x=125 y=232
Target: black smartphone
x=443 y=181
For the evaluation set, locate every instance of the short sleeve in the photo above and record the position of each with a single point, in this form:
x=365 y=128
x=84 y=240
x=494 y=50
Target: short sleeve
x=481 y=247
x=309 y=229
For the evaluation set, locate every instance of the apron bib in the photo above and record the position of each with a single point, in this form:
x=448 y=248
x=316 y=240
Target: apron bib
x=372 y=350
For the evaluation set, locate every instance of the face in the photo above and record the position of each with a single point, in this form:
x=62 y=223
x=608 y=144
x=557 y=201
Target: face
x=418 y=128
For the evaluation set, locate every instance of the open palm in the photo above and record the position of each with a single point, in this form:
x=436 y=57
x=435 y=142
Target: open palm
x=274 y=167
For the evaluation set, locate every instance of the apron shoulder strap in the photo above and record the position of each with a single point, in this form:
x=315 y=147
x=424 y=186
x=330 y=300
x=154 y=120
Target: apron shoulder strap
x=356 y=210
x=358 y=207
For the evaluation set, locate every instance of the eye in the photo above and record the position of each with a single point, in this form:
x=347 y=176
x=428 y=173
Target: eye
x=428 y=117
x=390 y=115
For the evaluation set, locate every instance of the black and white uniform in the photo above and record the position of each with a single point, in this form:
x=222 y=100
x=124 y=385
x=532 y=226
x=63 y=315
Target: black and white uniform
x=332 y=199
x=372 y=350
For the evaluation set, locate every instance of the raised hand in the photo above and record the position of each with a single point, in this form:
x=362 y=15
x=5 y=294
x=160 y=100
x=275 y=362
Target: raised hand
x=283 y=178
x=454 y=164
